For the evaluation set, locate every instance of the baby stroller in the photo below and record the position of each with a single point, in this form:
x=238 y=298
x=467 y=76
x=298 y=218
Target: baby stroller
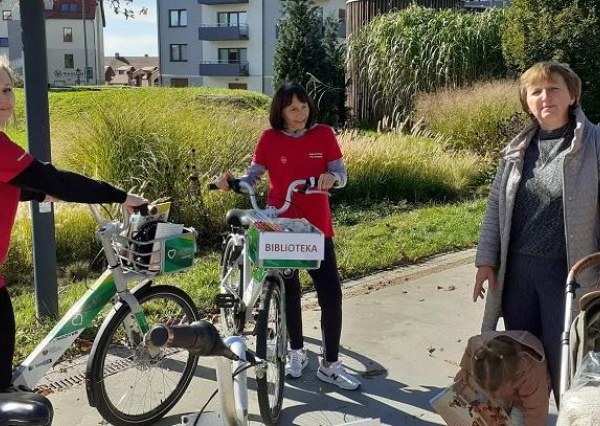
x=580 y=356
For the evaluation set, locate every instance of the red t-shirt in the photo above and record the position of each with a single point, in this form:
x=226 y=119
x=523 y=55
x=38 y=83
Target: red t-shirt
x=13 y=160
x=287 y=158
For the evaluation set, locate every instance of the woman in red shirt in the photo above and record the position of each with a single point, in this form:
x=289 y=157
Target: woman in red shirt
x=23 y=178
x=297 y=148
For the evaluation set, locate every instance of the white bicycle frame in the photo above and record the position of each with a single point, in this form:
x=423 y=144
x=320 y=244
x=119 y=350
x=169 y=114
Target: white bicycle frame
x=110 y=286
x=253 y=284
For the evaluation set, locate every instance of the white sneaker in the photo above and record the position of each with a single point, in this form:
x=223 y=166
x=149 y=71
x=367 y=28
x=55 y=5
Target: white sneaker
x=297 y=361
x=337 y=374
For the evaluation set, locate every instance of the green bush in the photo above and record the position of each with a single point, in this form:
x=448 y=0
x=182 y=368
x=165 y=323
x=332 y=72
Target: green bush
x=541 y=30
x=417 y=49
x=482 y=118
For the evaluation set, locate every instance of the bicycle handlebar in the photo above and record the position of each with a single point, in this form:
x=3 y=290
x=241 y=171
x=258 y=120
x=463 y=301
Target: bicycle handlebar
x=301 y=186
x=199 y=337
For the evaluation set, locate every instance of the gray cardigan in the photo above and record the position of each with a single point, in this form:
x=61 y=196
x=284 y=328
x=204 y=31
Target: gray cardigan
x=580 y=204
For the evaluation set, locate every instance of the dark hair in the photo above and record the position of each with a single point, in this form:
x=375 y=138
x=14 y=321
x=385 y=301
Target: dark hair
x=495 y=364
x=283 y=98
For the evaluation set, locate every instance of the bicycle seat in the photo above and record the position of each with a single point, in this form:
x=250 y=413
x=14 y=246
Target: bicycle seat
x=25 y=409
x=238 y=217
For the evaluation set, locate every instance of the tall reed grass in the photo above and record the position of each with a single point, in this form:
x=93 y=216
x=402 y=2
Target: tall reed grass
x=482 y=117
x=397 y=167
x=419 y=49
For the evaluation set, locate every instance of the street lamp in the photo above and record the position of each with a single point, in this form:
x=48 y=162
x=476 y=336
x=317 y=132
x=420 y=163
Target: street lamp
x=78 y=74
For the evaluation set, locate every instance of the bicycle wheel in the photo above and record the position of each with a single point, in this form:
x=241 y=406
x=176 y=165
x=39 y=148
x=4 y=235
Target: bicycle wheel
x=232 y=319
x=129 y=384
x=270 y=345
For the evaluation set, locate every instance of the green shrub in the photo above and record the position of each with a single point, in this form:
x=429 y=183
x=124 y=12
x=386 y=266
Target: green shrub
x=417 y=49
x=482 y=118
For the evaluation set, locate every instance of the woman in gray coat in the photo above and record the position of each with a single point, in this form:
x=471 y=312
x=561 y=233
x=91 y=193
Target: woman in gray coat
x=542 y=214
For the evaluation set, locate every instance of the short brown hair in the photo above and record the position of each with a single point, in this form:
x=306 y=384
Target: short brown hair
x=283 y=98
x=544 y=71
x=495 y=364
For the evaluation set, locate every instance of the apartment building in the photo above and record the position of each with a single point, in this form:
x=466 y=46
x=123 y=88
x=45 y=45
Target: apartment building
x=223 y=43
x=74 y=40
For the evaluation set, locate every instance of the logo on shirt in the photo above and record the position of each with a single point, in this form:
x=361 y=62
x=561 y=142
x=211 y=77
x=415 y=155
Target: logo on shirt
x=315 y=155
x=22 y=156
x=283 y=159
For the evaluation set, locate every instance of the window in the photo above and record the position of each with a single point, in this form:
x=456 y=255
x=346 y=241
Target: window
x=232 y=19
x=7 y=15
x=178 y=52
x=233 y=56
x=342 y=15
x=3 y=41
x=69 y=62
x=178 y=18
x=67 y=34
x=179 y=82
x=68 y=7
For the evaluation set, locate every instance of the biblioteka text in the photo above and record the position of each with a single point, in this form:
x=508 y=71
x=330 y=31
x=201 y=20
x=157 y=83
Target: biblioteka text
x=297 y=248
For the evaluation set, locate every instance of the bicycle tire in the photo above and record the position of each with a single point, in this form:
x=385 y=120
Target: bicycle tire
x=270 y=344
x=159 y=382
x=232 y=319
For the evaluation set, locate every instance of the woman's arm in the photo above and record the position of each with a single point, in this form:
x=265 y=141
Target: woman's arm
x=27 y=195
x=488 y=246
x=338 y=169
x=67 y=186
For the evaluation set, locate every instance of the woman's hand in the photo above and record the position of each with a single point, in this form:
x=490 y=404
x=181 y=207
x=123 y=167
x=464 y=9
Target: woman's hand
x=134 y=200
x=484 y=273
x=223 y=181
x=326 y=181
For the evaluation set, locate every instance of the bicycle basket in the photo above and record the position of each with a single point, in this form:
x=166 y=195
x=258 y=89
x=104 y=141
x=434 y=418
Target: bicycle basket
x=156 y=248
x=285 y=243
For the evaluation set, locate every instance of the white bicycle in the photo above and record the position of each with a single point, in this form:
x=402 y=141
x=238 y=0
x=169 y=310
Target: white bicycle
x=252 y=293
x=128 y=382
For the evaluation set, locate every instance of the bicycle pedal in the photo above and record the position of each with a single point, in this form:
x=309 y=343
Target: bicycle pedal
x=225 y=300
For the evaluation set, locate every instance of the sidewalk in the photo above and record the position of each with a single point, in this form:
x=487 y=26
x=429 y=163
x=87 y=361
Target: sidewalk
x=404 y=333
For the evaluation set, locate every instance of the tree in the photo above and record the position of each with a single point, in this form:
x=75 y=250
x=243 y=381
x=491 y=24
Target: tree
x=561 y=30
x=309 y=53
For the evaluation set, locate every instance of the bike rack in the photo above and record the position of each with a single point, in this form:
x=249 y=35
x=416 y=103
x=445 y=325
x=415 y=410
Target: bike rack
x=233 y=391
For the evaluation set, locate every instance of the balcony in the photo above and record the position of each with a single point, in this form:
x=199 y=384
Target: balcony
x=224 y=69
x=211 y=2
x=217 y=32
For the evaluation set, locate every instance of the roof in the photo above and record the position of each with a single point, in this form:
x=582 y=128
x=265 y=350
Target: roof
x=134 y=61
x=72 y=9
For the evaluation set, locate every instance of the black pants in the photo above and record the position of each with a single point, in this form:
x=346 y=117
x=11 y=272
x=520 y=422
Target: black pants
x=534 y=300
x=329 y=294
x=7 y=339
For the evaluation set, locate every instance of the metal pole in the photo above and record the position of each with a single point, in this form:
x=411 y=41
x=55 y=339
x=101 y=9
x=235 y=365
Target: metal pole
x=85 y=51
x=35 y=65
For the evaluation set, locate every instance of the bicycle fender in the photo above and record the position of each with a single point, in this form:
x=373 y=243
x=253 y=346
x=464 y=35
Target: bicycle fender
x=138 y=289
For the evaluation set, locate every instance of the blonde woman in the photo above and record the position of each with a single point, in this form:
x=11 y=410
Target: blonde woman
x=543 y=212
